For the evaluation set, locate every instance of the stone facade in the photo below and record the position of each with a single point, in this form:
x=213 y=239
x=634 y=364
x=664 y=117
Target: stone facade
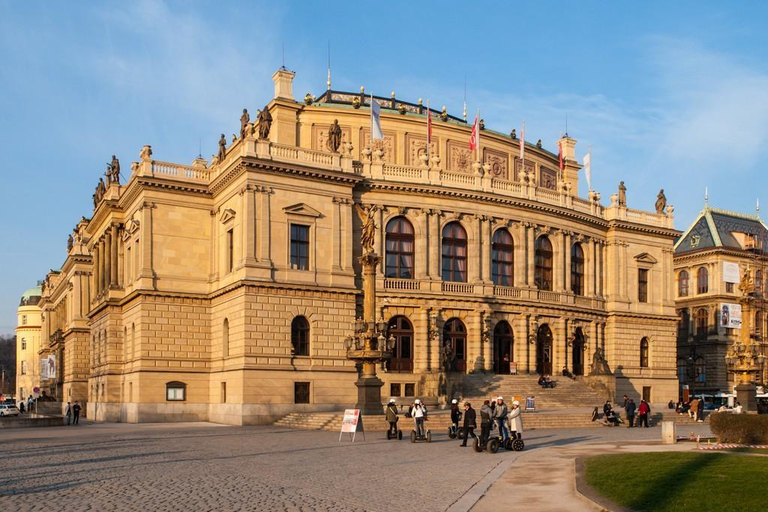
x=28 y=332
x=716 y=238
x=225 y=291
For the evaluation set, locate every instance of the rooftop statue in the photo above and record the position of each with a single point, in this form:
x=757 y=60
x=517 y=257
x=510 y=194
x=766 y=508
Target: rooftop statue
x=265 y=123
x=622 y=194
x=113 y=171
x=146 y=152
x=70 y=243
x=513 y=135
x=661 y=202
x=222 y=148
x=334 y=136
x=244 y=120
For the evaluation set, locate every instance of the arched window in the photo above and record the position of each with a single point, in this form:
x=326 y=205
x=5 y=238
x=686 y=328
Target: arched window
x=402 y=358
x=682 y=283
x=399 y=259
x=300 y=336
x=682 y=324
x=225 y=339
x=454 y=345
x=644 y=353
x=702 y=322
x=543 y=264
x=503 y=347
x=454 y=253
x=577 y=269
x=502 y=258
x=702 y=280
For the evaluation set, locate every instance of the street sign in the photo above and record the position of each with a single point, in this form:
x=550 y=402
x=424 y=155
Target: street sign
x=36 y=390
x=352 y=423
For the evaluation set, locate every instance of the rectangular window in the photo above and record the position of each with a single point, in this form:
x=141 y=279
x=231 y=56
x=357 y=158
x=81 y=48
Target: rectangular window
x=23 y=367
x=647 y=393
x=728 y=287
x=130 y=392
x=23 y=343
x=175 y=391
x=394 y=390
x=23 y=319
x=410 y=389
x=301 y=392
x=223 y=392
x=128 y=260
x=642 y=285
x=230 y=250
x=299 y=247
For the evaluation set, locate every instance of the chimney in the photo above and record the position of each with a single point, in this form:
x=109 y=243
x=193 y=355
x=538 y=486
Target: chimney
x=571 y=171
x=283 y=84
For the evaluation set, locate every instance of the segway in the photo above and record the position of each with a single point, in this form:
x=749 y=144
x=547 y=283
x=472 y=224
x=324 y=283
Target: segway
x=492 y=445
x=394 y=435
x=426 y=437
x=455 y=431
x=518 y=445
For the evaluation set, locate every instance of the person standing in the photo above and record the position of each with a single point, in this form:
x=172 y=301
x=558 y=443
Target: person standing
x=455 y=415
x=76 y=413
x=68 y=413
x=486 y=420
x=30 y=402
x=500 y=415
x=693 y=409
x=631 y=408
x=392 y=416
x=700 y=411
x=643 y=411
x=470 y=422
x=626 y=401
x=516 y=420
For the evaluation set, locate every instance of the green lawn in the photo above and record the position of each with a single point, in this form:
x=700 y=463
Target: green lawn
x=680 y=482
x=760 y=451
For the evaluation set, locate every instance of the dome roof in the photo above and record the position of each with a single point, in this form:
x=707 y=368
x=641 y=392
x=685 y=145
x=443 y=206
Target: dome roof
x=32 y=296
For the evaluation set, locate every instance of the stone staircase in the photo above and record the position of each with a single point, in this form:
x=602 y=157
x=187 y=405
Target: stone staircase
x=568 y=394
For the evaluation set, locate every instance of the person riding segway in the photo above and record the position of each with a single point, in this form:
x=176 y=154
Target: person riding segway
x=516 y=426
x=419 y=414
x=455 y=430
x=500 y=415
x=392 y=419
x=470 y=423
x=486 y=422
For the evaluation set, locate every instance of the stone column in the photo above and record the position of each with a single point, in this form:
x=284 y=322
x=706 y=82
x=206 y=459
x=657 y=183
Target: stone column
x=379 y=240
x=474 y=341
x=422 y=256
x=113 y=260
x=104 y=271
x=434 y=342
x=559 y=262
x=146 y=243
x=488 y=344
x=421 y=341
x=336 y=234
x=487 y=227
x=474 y=251
x=530 y=254
x=248 y=223
x=94 y=281
x=434 y=244
x=600 y=276
x=520 y=268
x=265 y=242
x=567 y=269
x=589 y=255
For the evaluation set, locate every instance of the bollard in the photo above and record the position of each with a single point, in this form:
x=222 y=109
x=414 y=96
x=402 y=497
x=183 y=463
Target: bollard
x=668 y=434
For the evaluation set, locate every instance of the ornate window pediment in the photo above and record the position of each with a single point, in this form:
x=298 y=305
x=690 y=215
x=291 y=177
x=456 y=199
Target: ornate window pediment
x=227 y=215
x=302 y=209
x=646 y=258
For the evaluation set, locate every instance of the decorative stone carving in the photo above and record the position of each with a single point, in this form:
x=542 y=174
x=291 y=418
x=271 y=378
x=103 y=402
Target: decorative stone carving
x=386 y=145
x=459 y=158
x=622 y=194
x=222 y=148
x=334 y=137
x=244 y=120
x=321 y=141
x=520 y=175
x=498 y=163
x=265 y=123
x=417 y=149
x=146 y=152
x=661 y=202
x=547 y=178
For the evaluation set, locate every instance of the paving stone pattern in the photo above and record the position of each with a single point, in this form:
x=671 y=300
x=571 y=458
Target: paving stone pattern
x=202 y=467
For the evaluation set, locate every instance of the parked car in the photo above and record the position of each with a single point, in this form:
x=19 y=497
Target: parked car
x=8 y=410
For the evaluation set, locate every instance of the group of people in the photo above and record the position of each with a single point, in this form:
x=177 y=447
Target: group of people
x=508 y=420
x=72 y=413
x=546 y=382
x=640 y=411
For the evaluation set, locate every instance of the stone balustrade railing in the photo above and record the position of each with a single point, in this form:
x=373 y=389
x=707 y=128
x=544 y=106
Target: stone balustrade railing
x=375 y=168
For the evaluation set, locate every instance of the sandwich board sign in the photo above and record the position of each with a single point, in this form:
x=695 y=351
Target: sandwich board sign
x=352 y=423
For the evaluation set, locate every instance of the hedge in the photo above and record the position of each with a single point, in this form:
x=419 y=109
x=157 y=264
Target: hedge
x=739 y=428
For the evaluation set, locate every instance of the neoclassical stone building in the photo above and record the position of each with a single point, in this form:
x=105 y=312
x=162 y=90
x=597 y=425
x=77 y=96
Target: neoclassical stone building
x=716 y=237
x=28 y=343
x=224 y=290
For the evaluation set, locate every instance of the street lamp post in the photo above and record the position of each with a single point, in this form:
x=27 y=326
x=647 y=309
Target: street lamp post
x=369 y=345
x=744 y=359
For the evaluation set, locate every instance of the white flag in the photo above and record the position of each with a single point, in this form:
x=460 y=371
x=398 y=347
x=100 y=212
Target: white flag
x=588 y=169
x=376 y=132
x=522 y=145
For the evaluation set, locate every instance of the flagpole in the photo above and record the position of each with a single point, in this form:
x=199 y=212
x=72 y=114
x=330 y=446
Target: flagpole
x=429 y=134
x=477 y=157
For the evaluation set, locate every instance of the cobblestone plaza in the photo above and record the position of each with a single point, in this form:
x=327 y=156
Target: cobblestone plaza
x=167 y=467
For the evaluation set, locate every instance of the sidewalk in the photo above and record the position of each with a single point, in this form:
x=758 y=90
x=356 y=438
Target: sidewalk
x=544 y=479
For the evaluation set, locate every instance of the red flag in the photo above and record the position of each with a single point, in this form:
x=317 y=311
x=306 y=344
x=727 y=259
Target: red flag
x=474 y=136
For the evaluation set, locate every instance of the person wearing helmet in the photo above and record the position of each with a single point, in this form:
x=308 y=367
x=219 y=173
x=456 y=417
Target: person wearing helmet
x=486 y=420
x=455 y=414
x=392 y=416
x=516 y=420
x=500 y=415
x=419 y=414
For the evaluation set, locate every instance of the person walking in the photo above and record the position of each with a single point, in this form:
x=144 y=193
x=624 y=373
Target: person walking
x=631 y=408
x=643 y=411
x=700 y=411
x=470 y=422
x=30 y=402
x=500 y=415
x=76 y=413
x=392 y=416
x=455 y=415
x=516 y=420
x=694 y=409
x=68 y=413
x=486 y=420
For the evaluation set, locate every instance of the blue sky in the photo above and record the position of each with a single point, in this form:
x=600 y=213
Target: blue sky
x=668 y=94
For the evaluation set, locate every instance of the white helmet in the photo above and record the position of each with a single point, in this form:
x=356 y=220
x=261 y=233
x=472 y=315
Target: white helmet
x=500 y=398
x=516 y=403
x=454 y=401
x=392 y=400
x=417 y=401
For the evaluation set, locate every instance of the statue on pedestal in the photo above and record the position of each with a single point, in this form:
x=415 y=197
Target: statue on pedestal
x=265 y=123
x=222 y=148
x=146 y=152
x=113 y=171
x=599 y=364
x=244 y=120
x=622 y=194
x=368 y=234
x=661 y=202
x=70 y=243
x=334 y=137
